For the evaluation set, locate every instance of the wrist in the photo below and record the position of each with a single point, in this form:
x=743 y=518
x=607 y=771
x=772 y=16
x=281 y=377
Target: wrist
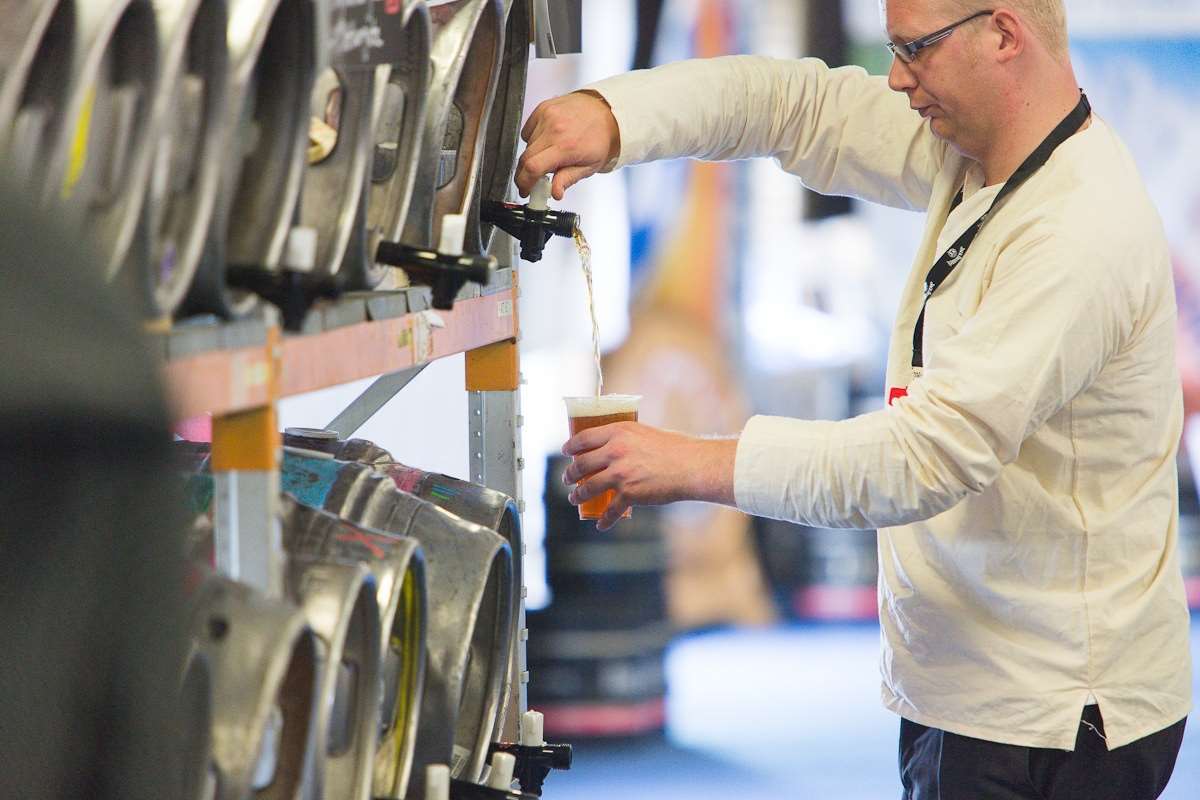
x=614 y=130
x=712 y=470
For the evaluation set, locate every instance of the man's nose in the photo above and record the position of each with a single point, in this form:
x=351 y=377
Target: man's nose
x=900 y=76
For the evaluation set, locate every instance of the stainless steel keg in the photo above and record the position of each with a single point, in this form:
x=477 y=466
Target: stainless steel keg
x=339 y=600
x=469 y=572
x=504 y=122
x=188 y=137
x=399 y=126
x=37 y=53
x=466 y=58
x=397 y=566
x=275 y=47
x=265 y=671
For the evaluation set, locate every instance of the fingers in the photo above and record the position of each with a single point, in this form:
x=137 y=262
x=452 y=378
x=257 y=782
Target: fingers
x=590 y=439
x=594 y=486
x=567 y=177
x=530 y=126
x=583 y=465
x=612 y=515
x=571 y=136
x=539 y=159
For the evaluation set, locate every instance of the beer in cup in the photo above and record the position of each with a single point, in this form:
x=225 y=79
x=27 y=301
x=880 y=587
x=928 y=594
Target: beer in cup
x=592 y=412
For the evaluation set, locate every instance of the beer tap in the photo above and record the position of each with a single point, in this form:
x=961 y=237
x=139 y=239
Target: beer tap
x=534 y=758
x=499 y=783
x=447 y=269
x=292 y=288
x=440 y=786
x=531 y=224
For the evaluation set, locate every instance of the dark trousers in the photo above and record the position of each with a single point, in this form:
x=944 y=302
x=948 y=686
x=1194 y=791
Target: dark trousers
x=938 y=765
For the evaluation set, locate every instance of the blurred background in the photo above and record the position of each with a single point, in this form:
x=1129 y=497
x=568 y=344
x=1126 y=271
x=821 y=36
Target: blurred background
x=695 y=651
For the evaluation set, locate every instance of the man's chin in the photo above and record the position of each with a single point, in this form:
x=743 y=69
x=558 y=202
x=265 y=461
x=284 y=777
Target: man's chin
x=939 y=128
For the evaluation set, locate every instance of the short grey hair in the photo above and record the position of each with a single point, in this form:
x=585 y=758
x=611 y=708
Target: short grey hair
x=1047 y=18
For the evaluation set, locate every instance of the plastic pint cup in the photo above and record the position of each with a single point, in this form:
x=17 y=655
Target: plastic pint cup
x=592 y=412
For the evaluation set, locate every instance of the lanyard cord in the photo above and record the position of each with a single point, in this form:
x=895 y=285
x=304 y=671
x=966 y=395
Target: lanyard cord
x=951 y=258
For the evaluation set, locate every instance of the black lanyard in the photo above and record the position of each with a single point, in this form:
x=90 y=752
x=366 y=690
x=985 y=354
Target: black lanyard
x=951 y=258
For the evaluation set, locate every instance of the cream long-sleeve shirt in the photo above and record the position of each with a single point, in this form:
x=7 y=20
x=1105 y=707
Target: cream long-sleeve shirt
x=1025 y=490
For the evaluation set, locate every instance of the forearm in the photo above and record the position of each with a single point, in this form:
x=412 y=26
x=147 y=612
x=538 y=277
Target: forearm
x=840 y=130
x=875 y=470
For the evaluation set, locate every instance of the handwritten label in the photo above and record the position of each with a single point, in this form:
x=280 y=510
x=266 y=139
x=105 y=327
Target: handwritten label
x=366 y=33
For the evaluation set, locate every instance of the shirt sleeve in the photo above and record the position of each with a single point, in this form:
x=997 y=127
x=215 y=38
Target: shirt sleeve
x=1053 y=316
x=841 y=130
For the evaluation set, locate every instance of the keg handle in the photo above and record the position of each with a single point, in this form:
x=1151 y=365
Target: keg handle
x=445 y=270
x=465 y=790
x=292 y=292
x=534 y=762
x=532 y=224
x=292 y=287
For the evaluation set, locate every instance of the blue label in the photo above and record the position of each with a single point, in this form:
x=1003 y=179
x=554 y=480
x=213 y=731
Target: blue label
x=308 y=479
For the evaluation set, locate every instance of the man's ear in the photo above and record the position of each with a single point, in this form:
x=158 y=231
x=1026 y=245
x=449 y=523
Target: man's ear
x=1012 y=34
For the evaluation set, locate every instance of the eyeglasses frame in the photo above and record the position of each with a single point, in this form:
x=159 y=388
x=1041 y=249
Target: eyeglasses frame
x=907 y=53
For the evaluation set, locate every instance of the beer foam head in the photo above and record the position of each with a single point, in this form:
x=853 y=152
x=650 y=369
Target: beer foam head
x=602 y=406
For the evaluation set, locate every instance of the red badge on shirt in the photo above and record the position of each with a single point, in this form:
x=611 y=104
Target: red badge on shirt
x=895 y=393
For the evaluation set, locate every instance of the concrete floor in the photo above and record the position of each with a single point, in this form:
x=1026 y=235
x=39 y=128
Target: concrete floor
x=787 y=714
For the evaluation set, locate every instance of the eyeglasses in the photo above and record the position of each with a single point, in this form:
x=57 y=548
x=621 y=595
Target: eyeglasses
x=908 y=52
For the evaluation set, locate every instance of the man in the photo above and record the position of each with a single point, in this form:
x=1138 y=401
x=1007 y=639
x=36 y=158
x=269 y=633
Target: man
x=1035 y=632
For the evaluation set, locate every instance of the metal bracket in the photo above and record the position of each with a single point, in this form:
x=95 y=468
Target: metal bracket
x=495 y=439
x=249 y=540
x=373 y=398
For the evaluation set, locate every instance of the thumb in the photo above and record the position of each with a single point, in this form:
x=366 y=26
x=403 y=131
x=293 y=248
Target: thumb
x=567 y=177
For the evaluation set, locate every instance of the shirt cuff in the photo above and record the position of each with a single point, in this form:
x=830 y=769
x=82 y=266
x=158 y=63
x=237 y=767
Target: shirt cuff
x=768 y=453
x=620 y=93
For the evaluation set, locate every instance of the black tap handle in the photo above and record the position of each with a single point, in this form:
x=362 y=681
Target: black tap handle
x=443 y=273
x=531 y=227
x=534 y=763
x=293 y=293
x=465 y=790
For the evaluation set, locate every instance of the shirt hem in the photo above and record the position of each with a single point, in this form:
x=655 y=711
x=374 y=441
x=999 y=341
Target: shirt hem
x=1066 y=742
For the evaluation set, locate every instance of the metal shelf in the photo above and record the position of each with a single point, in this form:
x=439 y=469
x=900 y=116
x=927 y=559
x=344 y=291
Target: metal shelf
x=220 y=369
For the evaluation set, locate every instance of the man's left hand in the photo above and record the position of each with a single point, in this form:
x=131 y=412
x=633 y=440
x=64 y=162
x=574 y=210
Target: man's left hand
x=648 y=466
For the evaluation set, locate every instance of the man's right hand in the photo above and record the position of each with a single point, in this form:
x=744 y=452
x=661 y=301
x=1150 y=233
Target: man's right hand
x=572 y=136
